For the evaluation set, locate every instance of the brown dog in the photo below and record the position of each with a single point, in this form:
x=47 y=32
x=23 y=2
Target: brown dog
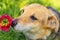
x=37 y=22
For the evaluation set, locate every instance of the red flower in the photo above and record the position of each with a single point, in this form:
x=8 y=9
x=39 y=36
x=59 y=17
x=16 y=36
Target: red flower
x=5 y=22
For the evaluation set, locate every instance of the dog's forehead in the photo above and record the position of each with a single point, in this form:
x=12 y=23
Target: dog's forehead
x=35 y=9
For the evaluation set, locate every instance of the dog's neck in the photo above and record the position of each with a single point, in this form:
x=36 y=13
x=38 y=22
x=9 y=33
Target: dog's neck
x=54 y=35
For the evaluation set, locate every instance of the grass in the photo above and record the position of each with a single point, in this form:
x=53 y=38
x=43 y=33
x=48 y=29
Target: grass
x=11 y=35
x=13 y=8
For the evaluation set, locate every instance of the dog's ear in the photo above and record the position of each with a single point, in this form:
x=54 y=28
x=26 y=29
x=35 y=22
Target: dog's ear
x=54 y=11
x=53 y=21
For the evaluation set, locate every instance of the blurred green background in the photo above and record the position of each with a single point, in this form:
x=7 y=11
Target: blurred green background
x=13 y=8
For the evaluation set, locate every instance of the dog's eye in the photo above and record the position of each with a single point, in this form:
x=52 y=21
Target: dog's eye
x=23 y=11
x=33 y=18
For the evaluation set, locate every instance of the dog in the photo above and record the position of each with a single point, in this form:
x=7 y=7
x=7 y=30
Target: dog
x=37 y=22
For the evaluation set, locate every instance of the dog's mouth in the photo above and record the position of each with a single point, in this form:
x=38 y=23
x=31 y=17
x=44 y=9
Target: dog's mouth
x=21 y=27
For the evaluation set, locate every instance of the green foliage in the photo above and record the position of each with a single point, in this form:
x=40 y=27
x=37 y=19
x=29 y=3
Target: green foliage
x=13 y=8
x=11 y=35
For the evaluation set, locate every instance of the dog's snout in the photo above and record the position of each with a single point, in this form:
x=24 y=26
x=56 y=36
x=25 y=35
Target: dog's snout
x=14 y=23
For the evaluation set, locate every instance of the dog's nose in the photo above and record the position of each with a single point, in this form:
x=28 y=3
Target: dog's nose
x=14 y=23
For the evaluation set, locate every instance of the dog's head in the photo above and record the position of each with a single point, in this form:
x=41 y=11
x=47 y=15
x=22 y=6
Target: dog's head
x=36 y=17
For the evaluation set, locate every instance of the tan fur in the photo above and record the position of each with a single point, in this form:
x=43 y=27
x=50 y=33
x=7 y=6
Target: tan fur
x=42 y=27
